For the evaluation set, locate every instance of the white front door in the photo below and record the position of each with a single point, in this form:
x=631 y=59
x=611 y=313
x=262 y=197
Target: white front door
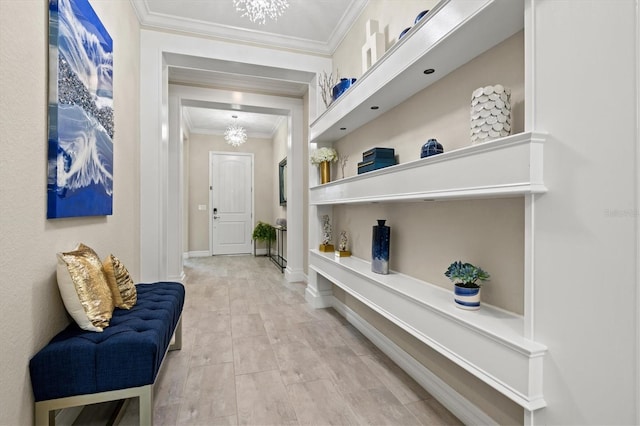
x=231 y=215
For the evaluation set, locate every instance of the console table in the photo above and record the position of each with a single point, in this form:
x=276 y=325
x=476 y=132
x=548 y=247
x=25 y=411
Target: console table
x=278 y=258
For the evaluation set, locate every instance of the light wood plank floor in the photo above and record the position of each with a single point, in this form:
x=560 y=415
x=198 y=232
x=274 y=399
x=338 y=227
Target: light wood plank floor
x=254 y=353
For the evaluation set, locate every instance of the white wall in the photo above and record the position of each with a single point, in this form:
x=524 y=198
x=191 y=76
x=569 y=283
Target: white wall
x=585 y=95
x=32 y=311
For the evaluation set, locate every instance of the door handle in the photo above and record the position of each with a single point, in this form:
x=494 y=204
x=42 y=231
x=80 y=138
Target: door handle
x=215 y=217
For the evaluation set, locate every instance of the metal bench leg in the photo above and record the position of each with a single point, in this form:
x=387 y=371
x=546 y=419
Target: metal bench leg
x=146 y=406
x=177 y=337
x=44 y=416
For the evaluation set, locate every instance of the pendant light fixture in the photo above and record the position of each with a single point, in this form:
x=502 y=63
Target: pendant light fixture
x=259 y=10
x=235 y=134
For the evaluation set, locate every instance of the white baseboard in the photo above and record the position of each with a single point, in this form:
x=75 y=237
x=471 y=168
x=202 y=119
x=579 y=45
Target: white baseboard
x=317 y=300
x=181 y=278
x=294 y=276
x=201 y=253
x=462 y=408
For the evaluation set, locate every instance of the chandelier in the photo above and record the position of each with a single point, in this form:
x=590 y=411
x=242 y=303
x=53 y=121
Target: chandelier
x=235 y=135
x=259 y=10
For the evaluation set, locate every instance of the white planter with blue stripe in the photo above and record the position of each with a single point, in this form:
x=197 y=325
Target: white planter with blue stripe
x=467 y=298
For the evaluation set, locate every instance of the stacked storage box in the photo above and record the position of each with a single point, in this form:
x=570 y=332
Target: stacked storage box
x=376 y=158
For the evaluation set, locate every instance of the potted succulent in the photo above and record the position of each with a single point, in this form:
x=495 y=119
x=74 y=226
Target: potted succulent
x=323 y=157
x=263 y=232
x=466 y=279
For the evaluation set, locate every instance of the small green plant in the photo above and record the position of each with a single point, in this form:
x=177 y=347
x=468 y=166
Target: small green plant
x=263 y=232
x=466 y=275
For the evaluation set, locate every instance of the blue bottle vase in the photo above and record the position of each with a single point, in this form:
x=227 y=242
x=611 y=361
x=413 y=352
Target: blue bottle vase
x=380 y=248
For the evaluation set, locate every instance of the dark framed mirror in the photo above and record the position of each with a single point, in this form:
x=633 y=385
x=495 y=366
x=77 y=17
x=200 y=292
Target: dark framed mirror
x=282 y=173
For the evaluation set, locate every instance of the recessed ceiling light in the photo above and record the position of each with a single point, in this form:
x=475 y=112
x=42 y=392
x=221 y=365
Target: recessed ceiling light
x=429 y=71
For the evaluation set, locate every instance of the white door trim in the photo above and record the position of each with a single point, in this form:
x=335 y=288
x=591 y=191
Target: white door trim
x=253 y=201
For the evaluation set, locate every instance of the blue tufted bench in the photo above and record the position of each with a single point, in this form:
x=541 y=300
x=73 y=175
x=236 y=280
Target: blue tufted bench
x=81 y=367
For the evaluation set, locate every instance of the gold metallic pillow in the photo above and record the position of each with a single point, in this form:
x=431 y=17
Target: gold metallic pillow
x=121 y=284
x=84 y=289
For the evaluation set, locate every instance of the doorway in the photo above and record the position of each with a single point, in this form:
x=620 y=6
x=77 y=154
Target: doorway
x=231 y=203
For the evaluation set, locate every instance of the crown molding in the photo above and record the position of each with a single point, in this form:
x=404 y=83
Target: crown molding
x=160 y=21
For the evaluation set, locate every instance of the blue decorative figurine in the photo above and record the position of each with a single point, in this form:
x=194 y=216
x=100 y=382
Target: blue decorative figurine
x=432 y=147
x=380 y=248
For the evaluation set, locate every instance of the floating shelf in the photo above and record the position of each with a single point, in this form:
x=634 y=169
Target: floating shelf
x=488 y=343
x=451 y=34
x=503 y=167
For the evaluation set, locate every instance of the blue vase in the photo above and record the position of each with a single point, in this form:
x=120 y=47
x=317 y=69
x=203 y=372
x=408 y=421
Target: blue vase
x=380 y=248
x=341 y=87
x=432 y=147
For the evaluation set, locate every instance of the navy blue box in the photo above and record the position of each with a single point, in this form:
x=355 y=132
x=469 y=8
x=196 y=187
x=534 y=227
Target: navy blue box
x=378 y=154
x=367 y=166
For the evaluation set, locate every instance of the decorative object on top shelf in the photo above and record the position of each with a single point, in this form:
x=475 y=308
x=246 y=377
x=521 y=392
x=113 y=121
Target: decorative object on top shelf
x=373 y=48
x=465 y=277
x=326 y=245
x=341 y=87
x=432 y=147
x=403 y=33
x=380 y=247
x=343 y=245
x=263 y=232
x=420 y=16
x=259 y=10
x=323 y=157
x=281 y=221
x=490 y=113
x=376 y=158
x=327 y=81
x=343 y=163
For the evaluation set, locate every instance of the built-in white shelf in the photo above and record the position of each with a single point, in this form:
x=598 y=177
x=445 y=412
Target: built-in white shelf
x=488 y=343
x=509 y=166
x=451 y=34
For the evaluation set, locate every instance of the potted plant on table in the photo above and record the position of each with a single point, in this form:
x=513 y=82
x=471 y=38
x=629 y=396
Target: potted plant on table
x=466 y=279
x=263 y=232
x=323 y=157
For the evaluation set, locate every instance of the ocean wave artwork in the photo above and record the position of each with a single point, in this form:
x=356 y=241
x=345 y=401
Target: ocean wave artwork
x=80 y=156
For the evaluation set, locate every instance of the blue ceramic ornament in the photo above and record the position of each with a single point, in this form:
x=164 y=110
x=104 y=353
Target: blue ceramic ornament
x=432 y=147
x=420 y=16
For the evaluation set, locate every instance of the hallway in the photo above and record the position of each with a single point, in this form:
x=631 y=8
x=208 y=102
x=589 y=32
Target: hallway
x=255 y=353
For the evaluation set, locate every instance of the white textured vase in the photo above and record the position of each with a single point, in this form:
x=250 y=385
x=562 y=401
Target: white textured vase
x=490 y=113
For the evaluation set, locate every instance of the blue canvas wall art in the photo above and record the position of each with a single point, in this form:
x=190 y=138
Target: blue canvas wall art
x=80 y=160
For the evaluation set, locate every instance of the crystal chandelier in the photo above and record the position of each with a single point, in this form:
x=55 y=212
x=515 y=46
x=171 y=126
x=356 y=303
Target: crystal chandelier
x=235 y=135
x=259 y=10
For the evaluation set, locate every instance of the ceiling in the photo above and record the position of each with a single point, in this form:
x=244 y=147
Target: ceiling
x=315 y=27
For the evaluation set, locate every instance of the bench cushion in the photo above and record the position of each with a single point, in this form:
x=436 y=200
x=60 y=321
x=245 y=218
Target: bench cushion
x=126 y=354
